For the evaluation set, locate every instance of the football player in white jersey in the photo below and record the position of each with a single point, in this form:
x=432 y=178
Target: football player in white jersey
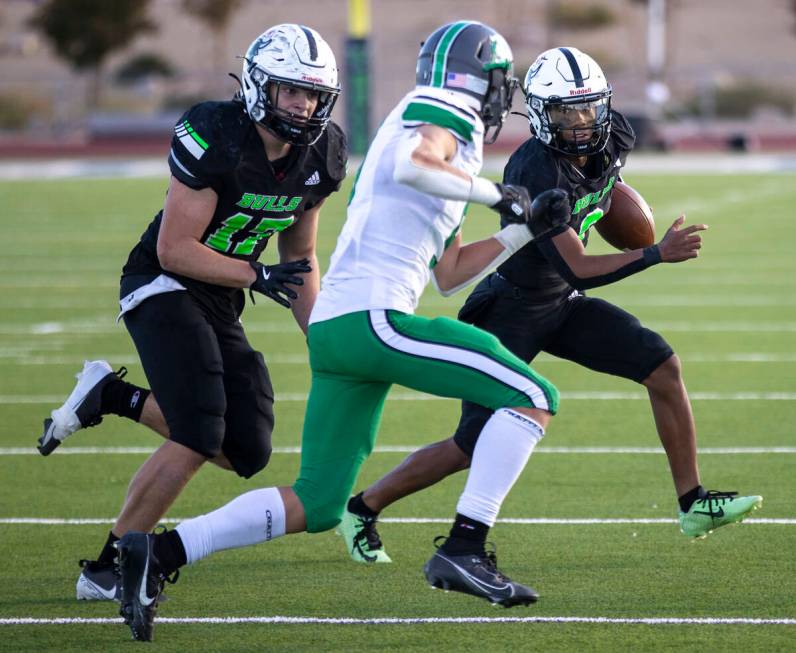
x=403 y=229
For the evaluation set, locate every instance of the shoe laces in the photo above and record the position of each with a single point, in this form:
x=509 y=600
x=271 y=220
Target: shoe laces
x=368 y=532
x=96 y=565
x=490 y=562
x=715 y=498
x=158 y=530
x=487 y=557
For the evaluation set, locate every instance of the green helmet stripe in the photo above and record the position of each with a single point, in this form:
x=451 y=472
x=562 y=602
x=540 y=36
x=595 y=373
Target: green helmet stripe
x=441 y=53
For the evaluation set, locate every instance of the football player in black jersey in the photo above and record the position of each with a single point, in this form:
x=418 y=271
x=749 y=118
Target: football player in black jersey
x=534 y=302
x=241 y=171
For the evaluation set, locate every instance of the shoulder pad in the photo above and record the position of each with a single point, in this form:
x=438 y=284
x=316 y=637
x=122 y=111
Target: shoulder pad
x=221 y=125
x=622 y=132
x=336 y=152
x=532 y=165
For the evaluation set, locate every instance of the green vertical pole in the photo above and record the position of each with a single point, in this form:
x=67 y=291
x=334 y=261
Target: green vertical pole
x=357 y=63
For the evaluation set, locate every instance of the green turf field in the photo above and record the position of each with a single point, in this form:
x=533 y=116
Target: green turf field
x=731 y=315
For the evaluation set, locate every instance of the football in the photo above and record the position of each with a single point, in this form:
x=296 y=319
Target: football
x=629 y=223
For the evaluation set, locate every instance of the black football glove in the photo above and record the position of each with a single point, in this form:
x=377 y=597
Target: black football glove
x=271 y=280
x=549 y=210
x=514 y=204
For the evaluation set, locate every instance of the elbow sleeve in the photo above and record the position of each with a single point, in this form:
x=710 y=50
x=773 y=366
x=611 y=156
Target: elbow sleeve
x=439 y=182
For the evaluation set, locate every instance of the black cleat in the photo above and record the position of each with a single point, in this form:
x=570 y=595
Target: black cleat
x=142 y=583
x=476 y=574
x=81 y=409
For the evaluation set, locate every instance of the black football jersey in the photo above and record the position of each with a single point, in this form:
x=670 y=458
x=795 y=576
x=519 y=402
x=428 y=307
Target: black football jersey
x=539 y=168
x=216 y=145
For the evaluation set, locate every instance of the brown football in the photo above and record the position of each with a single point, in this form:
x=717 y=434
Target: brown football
x=629 y=223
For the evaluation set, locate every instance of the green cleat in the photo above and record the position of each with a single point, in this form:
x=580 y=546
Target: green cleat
x=716 y=509
x=361 y=538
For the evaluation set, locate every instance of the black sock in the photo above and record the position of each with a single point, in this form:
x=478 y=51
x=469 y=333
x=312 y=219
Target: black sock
x=169 y=551
x=467 y=536
x=687 y=500
x=359 y=507
x=123 y=399
x=108 y=553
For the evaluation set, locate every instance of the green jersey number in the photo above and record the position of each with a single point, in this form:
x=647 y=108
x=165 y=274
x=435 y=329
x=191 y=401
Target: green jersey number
x=221 y=238
x=589 y=221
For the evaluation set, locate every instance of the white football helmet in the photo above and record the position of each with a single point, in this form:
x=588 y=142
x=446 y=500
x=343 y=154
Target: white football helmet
x=568 y=101
x=289 y=55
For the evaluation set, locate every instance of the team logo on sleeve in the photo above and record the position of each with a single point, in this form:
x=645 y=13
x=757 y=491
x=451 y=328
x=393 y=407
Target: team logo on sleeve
x=190 y=140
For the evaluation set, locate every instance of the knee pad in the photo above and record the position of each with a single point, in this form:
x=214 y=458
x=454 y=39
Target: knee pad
x=203 y=433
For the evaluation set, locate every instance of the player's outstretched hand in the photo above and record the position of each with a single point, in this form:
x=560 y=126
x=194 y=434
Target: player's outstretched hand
x=514 y=204
x=680 y=244
x=272 y=279
x=549 y=210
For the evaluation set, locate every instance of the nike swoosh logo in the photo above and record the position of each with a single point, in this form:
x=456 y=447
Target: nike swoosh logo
x=475 y=581
x=715 y=514
x=142 y=595
x=108 y=594
x=358 y=547
x=266 y=275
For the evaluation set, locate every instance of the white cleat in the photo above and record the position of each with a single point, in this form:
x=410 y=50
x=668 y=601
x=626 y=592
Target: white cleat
x=82 y=407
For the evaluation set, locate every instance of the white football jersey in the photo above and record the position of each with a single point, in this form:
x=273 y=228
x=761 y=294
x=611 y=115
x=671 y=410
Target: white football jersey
x=394 y=235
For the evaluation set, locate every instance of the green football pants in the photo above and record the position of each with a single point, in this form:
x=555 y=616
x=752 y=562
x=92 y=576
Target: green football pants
x=355 y=358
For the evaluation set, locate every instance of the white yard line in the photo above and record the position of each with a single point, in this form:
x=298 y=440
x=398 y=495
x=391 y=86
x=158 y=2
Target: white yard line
x=585 y=395
x=656 y=451
x=517 y=521
x=28 y=355
x=397 y=621
x=107 y=326
x=640 y=164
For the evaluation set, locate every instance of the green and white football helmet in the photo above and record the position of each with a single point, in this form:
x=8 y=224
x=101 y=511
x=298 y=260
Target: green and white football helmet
x=471 y=58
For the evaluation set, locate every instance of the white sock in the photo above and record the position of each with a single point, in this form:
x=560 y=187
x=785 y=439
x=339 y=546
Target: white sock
x=251 y=518
x=505 y=444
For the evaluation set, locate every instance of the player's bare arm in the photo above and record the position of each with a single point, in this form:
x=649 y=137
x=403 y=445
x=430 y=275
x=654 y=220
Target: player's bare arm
x=422 y=163
x=296 y=243
x=462 y=263
x=186 y=215
x=587 y=271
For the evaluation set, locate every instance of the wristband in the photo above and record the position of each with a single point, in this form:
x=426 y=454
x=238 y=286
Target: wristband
x=652 y=255
x=514 y=237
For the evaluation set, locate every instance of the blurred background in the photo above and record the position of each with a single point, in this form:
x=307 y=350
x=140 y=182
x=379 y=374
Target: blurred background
x=89 y=77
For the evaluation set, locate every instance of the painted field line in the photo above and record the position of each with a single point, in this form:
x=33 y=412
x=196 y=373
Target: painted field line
x=129 y=359
x=27 y=356
x=411 y=621
x=711 y=282
x=657 y=451
x=102 y=307
x=585 y=395
x=521 y=521
x=650 y=301
x=106 y=326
